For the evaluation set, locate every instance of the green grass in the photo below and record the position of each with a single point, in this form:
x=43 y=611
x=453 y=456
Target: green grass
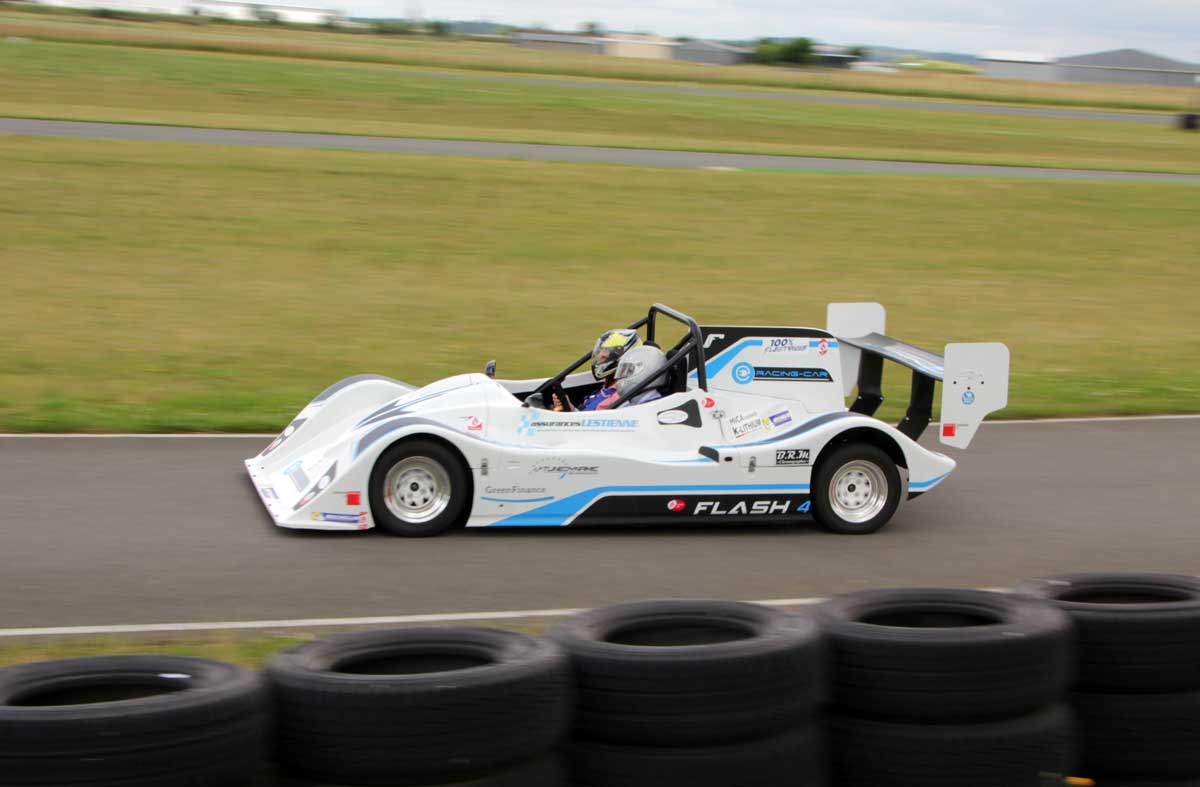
x=248 y=648
x=130 y=85
x=160 y=287
x=505 y=58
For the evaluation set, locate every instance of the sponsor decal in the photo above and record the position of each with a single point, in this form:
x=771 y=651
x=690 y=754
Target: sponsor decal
x=531 y=424
x=514 y=490
x=822 y=347
x=968 y=397
x=745 y=507
x=708 y=403
x=792 y=456
x=745 y=373
x=792 y=374
x=676 y=505
x=359 y=519
x=712 y=337
x=474 y=424
x=353 y=498
x=780 y=418
x=786 y=345
x=745 y=424
x=562 y=468
x=949 y=430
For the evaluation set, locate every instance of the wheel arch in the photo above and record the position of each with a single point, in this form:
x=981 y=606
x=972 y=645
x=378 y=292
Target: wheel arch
x=868 y=435
x=449 y=446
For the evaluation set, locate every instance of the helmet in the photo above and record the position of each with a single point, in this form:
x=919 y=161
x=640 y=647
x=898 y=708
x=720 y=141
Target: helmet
x=638 y=364
x=609 y=348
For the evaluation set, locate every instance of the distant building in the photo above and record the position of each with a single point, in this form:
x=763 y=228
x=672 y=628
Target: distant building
x=560 y=42
x=1119 y=66
x=711 y=52
x=633 y=45
x=1128 y=66
x=832 y=56
x=645 y=47
x=265 y=12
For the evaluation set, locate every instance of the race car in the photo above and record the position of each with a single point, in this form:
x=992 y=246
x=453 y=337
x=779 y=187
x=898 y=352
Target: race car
x=746 y=425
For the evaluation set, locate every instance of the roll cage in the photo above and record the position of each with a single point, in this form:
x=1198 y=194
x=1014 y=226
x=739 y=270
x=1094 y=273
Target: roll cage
x=687 y=352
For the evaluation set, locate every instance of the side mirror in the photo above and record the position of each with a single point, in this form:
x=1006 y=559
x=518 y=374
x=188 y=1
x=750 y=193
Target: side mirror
x=490 y=368
x=535 y=400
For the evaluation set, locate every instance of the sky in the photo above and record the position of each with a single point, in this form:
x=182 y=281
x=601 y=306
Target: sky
x=1050 y=27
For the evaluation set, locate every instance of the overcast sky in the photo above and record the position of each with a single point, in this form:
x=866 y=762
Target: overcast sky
x=1053 y=27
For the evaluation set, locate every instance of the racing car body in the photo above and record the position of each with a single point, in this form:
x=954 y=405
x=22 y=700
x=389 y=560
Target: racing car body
x=752 y=425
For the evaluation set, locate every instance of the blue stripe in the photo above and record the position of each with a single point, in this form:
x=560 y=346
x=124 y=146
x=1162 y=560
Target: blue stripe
x=725 y=357
x=559 y=512
x=512 y=500
x=926 y=484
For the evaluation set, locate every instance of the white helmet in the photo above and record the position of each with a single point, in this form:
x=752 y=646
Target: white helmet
x=636 y=365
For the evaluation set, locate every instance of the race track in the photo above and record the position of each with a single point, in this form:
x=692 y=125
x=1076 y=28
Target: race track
x=157 y=530
x=569 y=153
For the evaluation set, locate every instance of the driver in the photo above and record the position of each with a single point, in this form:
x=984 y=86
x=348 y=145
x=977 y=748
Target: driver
x=636 y=367
x=606 y=355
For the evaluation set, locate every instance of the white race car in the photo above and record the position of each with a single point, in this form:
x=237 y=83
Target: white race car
x=752 y=426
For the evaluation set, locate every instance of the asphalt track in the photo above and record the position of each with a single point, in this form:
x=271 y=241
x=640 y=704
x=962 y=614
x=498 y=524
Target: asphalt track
x=156 y=530
x=530 y=152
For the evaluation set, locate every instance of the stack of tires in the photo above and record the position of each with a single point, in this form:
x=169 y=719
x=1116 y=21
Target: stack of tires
x=1137 y=695
x=133 y=721
x=422 y=706
x=695 y=694
x=947 y=687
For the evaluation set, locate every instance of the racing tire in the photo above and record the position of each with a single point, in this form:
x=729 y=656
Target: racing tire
x=418 y=488
x=1136 y=632
x=135 y=721
x=417 y=706
x=941 y=656
x=1140 y=736
x=855 y=489
x=1014 y=752
x=679 y=673
x=795 y=757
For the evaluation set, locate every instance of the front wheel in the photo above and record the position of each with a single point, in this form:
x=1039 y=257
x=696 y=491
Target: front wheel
x=855 y=490
x=418 y=488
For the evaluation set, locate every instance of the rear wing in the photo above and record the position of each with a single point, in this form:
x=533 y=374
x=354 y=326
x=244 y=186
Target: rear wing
x=974 y=376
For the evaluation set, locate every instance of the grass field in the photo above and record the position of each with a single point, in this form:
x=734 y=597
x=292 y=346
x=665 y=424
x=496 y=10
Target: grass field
x=248 y=650
x=83 y=82
x=164 y=287
x=501 y=57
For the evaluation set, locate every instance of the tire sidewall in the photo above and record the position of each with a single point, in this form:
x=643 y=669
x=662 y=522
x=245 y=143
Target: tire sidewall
x=829 y=465
x=459 y=488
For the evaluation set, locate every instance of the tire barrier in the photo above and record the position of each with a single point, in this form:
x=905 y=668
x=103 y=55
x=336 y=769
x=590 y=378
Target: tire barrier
x=134 y=721
x=1189 y=121
x=1137 y=695
x=926 y=688
x=420 y=706
x=694 y=693
x=933 y=687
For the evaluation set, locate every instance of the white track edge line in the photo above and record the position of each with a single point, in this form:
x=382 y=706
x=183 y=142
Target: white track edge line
x=446 y=617
x=385 y=620
x=267 y=435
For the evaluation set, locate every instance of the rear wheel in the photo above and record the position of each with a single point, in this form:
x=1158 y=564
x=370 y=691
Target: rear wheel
x=418 y=488
x=855 y=489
